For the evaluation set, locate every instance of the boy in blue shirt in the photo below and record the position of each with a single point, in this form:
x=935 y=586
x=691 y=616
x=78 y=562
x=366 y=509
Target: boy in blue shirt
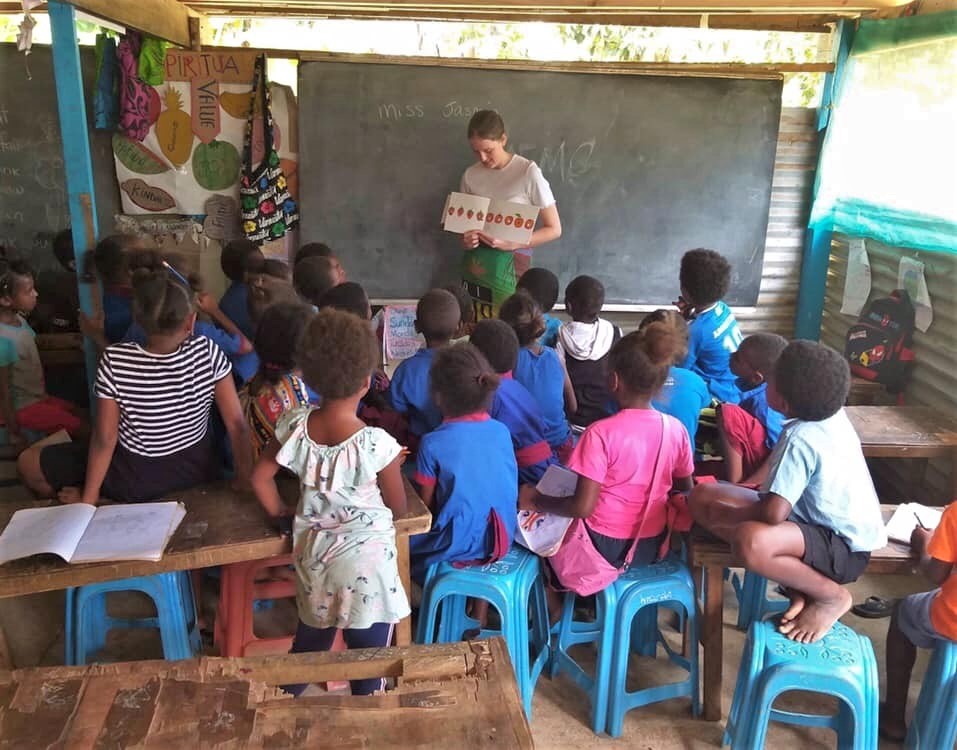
x=512 y=404
x=684 y=393
x=436 y=318
x=239 y=258
x=817 y=519
x=749 y=430
x=542 y=285
x=713 y=330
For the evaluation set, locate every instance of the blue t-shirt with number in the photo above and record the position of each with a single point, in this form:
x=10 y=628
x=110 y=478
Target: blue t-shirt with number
x=713 y=336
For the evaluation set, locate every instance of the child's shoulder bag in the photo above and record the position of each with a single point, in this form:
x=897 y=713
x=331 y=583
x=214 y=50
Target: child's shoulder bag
x=879 y=346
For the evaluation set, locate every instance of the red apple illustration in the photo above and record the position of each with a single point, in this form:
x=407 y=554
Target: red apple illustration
x=498 y=218
x=481 y=216
x=529 y=223
x=470 y=213
x=461 y=210
x=508 y=221
x=451 y=210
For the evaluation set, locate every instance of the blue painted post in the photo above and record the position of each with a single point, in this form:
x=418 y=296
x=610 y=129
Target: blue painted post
x=77 y=161
x=817 y=242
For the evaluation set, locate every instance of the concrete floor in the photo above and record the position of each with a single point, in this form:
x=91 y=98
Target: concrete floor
x=34 y=630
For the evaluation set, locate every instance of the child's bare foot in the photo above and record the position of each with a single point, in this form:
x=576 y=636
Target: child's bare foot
x=798 y=602
x=891 y=725
x=817 y=618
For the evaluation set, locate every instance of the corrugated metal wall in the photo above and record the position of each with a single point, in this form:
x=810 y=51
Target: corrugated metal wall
x=794 y=166
x=935 y=376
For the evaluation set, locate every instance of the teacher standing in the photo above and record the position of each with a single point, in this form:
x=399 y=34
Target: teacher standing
x=492 y=266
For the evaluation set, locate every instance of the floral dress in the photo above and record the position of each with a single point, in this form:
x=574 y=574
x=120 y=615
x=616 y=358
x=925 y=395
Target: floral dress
x=343 y=535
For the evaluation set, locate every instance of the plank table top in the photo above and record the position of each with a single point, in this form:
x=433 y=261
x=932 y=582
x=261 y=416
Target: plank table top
x=222 y=526
x=903 y=431
x=451 y=695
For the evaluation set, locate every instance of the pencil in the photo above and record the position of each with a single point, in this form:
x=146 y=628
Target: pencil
x=920 y=523
x=177 y=274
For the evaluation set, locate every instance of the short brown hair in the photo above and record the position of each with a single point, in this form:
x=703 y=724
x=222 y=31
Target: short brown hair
x=337 y=353
x=523 y=313
x=487 y=123
x=674 y=320
x=461 y=380
x=437 y=315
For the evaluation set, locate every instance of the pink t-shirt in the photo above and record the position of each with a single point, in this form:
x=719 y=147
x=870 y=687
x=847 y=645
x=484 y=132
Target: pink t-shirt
x=619 y=453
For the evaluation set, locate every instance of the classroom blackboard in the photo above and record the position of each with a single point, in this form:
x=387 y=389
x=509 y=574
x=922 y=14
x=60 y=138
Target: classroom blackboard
x=643 y=169
x=33 y=198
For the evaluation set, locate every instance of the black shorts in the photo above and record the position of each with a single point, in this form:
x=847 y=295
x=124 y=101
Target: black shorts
x=131 y=478
x=828 y=553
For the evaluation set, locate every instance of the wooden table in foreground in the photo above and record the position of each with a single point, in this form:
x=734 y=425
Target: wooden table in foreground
x=221 y=527
x=713 y=556
x=906 y=432
x=454 y=695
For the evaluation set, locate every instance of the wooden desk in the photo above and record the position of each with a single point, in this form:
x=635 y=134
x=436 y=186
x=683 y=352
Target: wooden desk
x=453 y=695
x=713 y=556
x=221 y=527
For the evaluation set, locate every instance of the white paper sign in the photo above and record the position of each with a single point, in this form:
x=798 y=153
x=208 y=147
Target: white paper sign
x=399 y=337
x=910 y=276
x=857 y=283
x=513 y=222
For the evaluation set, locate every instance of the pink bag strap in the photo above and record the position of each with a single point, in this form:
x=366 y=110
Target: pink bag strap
x=655 y=479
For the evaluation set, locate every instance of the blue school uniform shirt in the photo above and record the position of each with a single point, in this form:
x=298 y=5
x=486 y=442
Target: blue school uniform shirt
x=550 y=337
x=470 y=462
x=409 y=393
x=683 y=396
x=229 y=344
x=713 y=335
x=235 y=306
x=117 y=312
x=517 y=409
x=755 y=403
x=542 y=374
x=819 y=468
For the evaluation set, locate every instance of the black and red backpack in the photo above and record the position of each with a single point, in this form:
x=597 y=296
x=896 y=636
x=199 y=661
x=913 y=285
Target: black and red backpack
x=880 y=345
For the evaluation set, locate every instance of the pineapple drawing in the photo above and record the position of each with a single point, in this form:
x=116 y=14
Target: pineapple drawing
x=174 y=129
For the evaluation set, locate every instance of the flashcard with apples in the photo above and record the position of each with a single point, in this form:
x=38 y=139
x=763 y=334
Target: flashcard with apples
x=513 y=222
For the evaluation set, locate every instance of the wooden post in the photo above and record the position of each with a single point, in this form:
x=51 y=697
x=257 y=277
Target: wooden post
x=77 y=161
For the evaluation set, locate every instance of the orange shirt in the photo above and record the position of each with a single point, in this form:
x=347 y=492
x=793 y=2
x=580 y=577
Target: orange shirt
x=943 y=547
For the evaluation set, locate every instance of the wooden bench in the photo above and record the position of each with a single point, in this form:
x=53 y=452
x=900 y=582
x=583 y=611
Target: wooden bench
x=459 y=695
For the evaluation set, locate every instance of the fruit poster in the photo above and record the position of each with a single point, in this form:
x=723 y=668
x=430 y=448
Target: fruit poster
x=513 y=222
x=192 y=149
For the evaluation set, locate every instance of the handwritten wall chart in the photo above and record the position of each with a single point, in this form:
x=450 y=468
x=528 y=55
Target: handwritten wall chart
x=191 y=151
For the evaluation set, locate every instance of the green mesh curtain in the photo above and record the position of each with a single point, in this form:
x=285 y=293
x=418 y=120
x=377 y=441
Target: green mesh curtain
x=889 y=166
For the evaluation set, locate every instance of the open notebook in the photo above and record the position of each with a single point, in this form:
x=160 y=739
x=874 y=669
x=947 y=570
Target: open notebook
x=908 y=517
x=81 y=533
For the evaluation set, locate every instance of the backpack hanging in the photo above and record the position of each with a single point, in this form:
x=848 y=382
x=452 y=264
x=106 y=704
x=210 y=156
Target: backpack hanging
x=268 y=210
x=880 y=345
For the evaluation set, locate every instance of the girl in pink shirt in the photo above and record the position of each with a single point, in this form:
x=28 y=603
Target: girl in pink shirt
x=620 y=495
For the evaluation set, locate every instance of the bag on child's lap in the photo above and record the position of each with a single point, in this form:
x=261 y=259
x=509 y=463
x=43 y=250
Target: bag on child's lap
x=879 y=345
x=268 y=209
x=581 y=568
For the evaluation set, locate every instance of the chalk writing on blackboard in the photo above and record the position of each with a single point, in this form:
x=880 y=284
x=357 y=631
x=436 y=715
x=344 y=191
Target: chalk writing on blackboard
x=400 y=338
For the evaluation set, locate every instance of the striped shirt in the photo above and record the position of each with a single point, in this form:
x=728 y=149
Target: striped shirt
x=164 y=399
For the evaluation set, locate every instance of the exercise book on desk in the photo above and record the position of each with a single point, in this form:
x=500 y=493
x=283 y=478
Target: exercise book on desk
x=82 y=533
x=908 y=517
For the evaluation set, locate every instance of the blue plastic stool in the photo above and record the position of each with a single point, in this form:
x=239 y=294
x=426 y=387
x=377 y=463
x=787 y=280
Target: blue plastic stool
x=87 y=621
x=753 y=601
x=627 y=621
x=841 y=664
x=934 y=725
x=514 y=586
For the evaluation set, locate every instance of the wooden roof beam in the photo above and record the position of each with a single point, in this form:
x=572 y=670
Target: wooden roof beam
x=764 y=7
x=164 y=19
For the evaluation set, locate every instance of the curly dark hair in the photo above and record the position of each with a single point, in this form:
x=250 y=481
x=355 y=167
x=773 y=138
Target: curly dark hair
x=761 y=351
x=461 y=380
x=110 y=258
x=498 y=342
x=542 y=284
x=161 y=302
x=337 y=352
x=277 y=338
x=466 y=306
x=705 y=275
x=349 y=297
x=584 y=297
x=524 y=315
x=313 y=277
x=674 y=320
x=269 y=291
x=12 y=271
x=437 y=315
x=276 y=268
x=240 y=256
x=313 y=250
x=813 y=379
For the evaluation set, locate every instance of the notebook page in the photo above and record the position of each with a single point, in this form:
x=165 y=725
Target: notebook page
x=55 y=530
x=129 y=532
x=904 y=520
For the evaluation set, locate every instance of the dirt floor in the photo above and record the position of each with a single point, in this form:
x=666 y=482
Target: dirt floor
x=34 y=630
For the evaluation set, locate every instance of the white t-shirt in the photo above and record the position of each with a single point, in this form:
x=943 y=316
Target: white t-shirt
x=819 y=468
x=520 y=181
